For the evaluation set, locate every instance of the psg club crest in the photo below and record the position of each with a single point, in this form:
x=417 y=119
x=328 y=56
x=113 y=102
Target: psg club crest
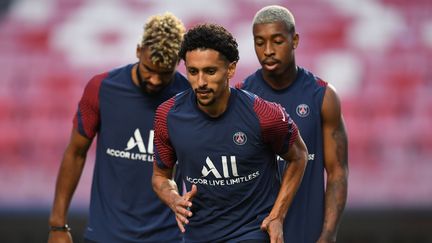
x=239 y=138
x=302 y=110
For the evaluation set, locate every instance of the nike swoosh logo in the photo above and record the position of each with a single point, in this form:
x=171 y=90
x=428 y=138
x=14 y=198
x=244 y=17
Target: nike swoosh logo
x=283 y=114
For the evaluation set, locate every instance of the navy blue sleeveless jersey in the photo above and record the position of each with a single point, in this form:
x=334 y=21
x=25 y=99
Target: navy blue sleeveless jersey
x=123 y=205
x=302 y=100
x=230 y=158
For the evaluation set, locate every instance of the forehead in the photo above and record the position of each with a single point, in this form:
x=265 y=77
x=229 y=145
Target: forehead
x=270 y=29
x=201 y=58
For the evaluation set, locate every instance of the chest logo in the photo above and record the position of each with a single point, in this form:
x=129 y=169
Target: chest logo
x=212 y=169
x=130 y=152
x=302 y=110
x=239 y=138
x=137 y=141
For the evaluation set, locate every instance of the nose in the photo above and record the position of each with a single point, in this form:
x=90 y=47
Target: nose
x=202 y=82
x=268 y=49
x=154 y=79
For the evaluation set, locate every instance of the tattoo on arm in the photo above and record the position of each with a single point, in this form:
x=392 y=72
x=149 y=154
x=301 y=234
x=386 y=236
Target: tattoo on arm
x=336 y=191
x=340 y=138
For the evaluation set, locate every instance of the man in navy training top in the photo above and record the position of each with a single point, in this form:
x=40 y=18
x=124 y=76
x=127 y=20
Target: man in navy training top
x=225 y=141
x=316 y=211
x=119 y=107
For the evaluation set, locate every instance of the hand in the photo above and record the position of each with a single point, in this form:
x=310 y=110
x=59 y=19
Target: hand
x=274 y=228
x=59 y=237
x=181 y=207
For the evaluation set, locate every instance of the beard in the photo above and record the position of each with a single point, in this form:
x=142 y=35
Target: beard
x=209 y=103
x=149 y=89
x=210 y=100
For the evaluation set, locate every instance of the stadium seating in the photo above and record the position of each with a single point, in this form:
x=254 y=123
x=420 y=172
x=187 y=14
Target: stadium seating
x=388 y=116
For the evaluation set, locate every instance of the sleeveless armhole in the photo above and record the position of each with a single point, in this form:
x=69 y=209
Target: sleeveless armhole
x=164 y=152
x=321 y=82
x=322 y=86
x=87 y=117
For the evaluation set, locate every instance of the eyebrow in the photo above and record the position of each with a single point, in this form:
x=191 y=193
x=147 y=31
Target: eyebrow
x=148 y=68
x=278 y=34
x=203 y=68
x=271 y=36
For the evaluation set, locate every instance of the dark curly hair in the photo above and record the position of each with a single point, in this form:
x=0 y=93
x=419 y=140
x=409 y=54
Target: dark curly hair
x=210 y=36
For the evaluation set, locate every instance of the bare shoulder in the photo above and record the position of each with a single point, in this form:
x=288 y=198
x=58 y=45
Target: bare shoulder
x=331 y=107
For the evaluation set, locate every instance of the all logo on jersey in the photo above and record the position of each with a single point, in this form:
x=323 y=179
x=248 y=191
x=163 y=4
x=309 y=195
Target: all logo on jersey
x=302 y=110
x=137 y=141
x=239 y=138
x=212 y=176
x=212 y=169
x=135 y=148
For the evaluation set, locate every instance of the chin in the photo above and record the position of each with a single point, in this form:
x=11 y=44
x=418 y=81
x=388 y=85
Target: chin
x=152 y=91
x=205 y=102
x=274 y=72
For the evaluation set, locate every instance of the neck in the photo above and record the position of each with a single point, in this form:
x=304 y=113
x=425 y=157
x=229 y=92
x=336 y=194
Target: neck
x=218 y=107
x=140 y=80
x=283 y=80
x=136 y=77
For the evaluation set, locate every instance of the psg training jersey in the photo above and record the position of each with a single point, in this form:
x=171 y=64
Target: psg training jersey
x=230 y=158
x=124 y=207
x=302 y=100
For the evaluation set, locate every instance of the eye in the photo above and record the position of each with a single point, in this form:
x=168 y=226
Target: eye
x=144 y=70
x=259 y=42
x=279 y=41
x=192 y=71
x=211 y=71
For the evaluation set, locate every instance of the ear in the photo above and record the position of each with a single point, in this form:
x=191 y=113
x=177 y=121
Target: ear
x=231 y=69
x=138 y=51
x=296 y=39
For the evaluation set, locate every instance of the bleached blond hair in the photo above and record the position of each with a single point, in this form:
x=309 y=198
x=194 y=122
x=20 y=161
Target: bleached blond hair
x=163 y=34
x=275 y=13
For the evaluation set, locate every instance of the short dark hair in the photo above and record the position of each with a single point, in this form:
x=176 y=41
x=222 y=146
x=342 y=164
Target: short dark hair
x=210 y=36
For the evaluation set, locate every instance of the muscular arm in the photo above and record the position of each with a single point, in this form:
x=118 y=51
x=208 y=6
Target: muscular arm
x=167 y=191
x=297 y=158
x=68 y=177
x=335 y=163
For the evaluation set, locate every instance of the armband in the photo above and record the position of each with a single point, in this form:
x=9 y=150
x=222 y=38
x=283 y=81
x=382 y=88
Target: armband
x=64 y=228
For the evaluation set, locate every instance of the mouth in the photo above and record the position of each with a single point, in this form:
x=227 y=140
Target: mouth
x=149 y=87
x=203 y=94
x=270 y=64
x=153 y=87
x=203 y=91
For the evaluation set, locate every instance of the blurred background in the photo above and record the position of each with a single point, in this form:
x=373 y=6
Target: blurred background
x=377 y=53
